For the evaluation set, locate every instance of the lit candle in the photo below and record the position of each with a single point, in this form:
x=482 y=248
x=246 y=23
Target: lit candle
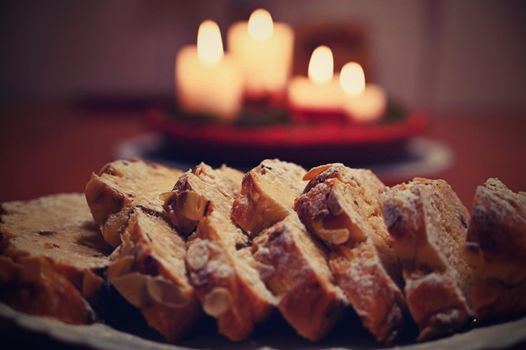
x=362 y=103
x=208 y=81
x=320 y=92
x=264 y=52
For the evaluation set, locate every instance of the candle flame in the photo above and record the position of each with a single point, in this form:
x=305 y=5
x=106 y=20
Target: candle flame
x=321 y=65
x=260 y=25
x=209 y=43
x=352 y=79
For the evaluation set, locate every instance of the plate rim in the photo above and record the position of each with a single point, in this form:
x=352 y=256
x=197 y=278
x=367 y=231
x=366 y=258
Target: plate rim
x=501 y=335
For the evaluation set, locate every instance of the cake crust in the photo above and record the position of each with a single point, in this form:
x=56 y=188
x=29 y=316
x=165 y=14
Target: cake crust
x=264 y=202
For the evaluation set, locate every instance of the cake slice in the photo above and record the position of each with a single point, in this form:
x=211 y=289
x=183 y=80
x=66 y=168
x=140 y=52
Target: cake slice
x=148 y=267
x=267 y=195
x=341 y=206
x=292 y=264
x=123 y=184
x=428 y=224
x=149 y=272
x=219 y=262
x=51 y=257
x=496 y=248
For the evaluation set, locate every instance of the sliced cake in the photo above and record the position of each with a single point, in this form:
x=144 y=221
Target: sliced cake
x=219 y=262
x=148 y=267
x=149 y=272
x=267 y=195
x=496 y=247
x=292 y=264
x=341 y=206
x=428 y=225
x=123 y=184
x=51 y=256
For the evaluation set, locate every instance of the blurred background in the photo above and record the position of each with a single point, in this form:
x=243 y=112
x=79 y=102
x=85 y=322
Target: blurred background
x=439 y=55
x=75 y=76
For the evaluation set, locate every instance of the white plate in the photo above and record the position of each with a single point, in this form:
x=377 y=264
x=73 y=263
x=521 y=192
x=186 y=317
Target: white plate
x=102 y=337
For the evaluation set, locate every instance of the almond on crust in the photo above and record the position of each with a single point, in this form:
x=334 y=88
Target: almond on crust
x=51 y=252
x=428 y=224
x=341 y=207
x=291 y=263
x=496 y=248
x=219 y=262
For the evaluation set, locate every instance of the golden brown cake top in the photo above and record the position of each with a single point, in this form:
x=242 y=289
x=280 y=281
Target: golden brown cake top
x=205 y=192
x=497 y=231
x=59 y=227
x=428 y=213
x=267 y=195
x=279 y=180
x=496 y=204
x=151 y=237
x=364 y=178
x=431 y=196
x=344 y=204
x=292 y=233
x=126 y=183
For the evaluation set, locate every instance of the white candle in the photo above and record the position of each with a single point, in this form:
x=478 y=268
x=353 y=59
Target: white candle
x=320 y=91
x=264 y=52
x=362 y=103
x=207 y=80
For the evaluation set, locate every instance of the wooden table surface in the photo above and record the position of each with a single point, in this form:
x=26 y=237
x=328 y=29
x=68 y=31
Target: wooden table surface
x=50 y=149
